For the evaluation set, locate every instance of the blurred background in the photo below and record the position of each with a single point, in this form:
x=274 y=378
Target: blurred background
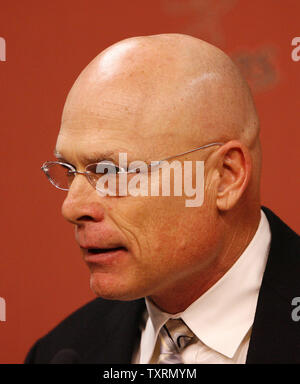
x=48 y=43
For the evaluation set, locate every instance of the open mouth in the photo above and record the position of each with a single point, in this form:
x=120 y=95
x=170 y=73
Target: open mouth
x=98 y=251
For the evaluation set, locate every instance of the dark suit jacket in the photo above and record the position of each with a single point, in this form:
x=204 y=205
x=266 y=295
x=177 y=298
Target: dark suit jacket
x=106 y=331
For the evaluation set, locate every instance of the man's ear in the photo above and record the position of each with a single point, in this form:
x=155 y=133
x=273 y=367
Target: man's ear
x=235 y=167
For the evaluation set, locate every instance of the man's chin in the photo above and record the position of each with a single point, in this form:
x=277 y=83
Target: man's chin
x=111 y=290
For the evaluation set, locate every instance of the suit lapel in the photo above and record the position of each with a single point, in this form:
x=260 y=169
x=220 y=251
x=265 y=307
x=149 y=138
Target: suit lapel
x=275 y=336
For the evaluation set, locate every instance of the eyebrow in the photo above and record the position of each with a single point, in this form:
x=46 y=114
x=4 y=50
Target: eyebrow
x=92 y=157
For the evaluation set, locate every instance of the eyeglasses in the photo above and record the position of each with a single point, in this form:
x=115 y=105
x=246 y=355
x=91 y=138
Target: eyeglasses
x=61 y=174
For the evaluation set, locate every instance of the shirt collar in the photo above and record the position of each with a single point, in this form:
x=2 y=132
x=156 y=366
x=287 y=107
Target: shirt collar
x=223 y=315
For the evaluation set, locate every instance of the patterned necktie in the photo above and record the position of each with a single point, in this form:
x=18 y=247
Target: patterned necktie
x=174 y=337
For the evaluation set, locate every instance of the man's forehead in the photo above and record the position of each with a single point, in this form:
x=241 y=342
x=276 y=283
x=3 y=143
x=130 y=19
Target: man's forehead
x=117 y=111
x=90 y=138
x=100 y=125
x=110 y=104
x=87 y=141
x=119 y=128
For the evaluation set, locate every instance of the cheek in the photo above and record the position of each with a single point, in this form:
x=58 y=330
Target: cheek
x=188 y=239
x=163 y=230
x=149 y=224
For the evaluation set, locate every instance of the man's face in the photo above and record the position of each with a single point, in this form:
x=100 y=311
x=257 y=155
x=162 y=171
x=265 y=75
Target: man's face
x=133 y=246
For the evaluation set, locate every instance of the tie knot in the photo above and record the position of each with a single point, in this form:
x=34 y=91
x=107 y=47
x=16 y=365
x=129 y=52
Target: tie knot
x=174 y=337
x=179 y=332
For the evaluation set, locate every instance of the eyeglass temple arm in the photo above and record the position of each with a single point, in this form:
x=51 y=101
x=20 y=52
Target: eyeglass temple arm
x=155 y=163
x=184 y=153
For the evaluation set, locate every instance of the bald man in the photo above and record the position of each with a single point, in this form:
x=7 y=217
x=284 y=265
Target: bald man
x=211 y=283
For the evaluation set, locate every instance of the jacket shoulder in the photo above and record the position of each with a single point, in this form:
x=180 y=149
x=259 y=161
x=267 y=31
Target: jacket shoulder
x=79 y=331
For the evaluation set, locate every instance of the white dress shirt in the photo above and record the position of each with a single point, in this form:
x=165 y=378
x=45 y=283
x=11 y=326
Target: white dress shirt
x=222 y=317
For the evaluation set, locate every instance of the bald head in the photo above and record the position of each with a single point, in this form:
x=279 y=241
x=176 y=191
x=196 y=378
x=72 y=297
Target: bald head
x=180 y=85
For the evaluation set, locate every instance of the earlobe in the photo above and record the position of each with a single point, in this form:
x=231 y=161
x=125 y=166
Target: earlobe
x=234 y=171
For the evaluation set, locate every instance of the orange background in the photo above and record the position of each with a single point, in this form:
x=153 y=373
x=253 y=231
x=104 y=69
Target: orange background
x=42 y=277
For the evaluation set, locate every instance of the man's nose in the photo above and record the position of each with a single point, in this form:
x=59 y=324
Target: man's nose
x=82 y=203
